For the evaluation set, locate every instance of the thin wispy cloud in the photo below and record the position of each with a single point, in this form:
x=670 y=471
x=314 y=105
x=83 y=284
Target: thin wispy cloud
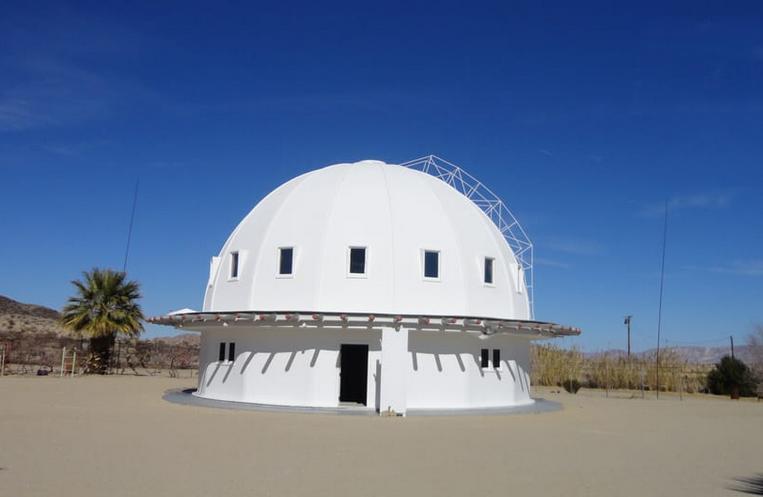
x=51 y=83
x=745 y=268
x=687 y=202
x=574 y=246
x=542 y=261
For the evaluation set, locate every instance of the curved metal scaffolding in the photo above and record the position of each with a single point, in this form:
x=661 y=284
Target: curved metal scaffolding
x=491 y=205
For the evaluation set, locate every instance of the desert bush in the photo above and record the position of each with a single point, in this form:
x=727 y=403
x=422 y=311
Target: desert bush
x=732 y=377
x=553 y=365
x=571 y=386
x=755 y=347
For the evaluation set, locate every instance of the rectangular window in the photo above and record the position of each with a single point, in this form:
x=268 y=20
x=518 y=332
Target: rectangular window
x=357 y=260
x=485 y=359
x=496 y=358
x=285 y=260
x=234 y=265
x=221 y=355
x=431 y=264
x=232 y=351
x=489 y=270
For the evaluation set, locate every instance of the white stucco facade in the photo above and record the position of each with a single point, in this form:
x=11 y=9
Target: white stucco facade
x=297 y=367
x=327 y=292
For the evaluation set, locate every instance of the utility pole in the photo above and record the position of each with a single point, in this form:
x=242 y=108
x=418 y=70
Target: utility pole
x=662 y=284
x=731 y=337
x=628 y=323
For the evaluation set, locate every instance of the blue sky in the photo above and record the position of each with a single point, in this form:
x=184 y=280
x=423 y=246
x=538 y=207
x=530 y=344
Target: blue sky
x=583 y=118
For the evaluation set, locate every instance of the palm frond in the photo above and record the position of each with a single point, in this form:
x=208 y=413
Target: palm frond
x=104 y=303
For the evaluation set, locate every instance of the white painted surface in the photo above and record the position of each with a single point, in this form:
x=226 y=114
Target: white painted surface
x=290 y=367
x=445 y=371
x=298 y=367
x=394 y=370
x=393 y=211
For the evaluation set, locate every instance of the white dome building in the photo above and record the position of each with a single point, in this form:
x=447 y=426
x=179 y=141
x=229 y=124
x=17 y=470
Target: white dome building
x=389 y=286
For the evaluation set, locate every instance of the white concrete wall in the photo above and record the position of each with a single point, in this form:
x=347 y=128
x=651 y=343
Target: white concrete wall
x=291 y=367
x=444 y=371
x=300 y=367
x=394 y=370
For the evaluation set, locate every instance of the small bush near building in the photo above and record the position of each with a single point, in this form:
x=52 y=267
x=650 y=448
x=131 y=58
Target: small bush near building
x=731 y=377
x=571 y=386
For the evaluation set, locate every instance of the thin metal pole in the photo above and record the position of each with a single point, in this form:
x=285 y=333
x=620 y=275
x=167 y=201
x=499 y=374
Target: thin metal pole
x=63 y=361
x=129 y=230
x=662 y=284
x=74 y=362
x=731 y=337
x=2 y=361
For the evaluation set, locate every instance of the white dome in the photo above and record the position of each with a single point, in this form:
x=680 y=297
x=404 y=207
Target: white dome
x=394 y=212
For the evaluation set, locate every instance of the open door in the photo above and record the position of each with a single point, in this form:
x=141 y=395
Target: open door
x=353 y=373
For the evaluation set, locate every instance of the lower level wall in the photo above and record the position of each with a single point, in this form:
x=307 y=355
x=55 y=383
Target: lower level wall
x=445 y=371
x=301 y=367
x=291 y=367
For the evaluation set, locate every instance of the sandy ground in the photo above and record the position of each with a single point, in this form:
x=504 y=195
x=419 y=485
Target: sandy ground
x=116 y=436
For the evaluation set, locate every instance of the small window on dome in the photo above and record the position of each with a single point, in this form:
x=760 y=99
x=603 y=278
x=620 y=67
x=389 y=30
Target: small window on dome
x=233 y=265
x=488 y=276
x=431 y=264
x=485 y=358
x=285 y=261
x=221 y=354
x=358 y=260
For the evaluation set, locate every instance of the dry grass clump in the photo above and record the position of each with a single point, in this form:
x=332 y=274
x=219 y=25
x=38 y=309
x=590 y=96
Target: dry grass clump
x=553 y=365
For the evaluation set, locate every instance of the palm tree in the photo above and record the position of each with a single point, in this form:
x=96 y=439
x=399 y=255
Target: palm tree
x=105 y=305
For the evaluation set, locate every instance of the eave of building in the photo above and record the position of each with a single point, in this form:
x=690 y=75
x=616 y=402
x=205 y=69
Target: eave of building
x=199 y=321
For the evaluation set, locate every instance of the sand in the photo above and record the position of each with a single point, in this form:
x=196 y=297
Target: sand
x=97 y=436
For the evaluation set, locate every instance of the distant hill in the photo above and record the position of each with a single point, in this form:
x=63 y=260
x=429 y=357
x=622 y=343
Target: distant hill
x=17 y=317
x=193 y=339
x=30 y=319
x=10 y=306
x=694 y=354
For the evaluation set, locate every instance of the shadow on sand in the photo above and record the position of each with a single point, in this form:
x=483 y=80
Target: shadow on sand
x=750 y=485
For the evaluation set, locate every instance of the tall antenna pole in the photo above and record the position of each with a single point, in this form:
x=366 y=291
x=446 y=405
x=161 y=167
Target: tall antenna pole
x=628 y=322
x=129 y=230
x=731 y=337
x=662 y=284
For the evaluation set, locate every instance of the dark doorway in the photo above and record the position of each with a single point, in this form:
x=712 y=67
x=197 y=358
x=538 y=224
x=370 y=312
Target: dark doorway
x=353 y=373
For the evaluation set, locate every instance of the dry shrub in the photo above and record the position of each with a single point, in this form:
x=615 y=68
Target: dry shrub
x=553 y=365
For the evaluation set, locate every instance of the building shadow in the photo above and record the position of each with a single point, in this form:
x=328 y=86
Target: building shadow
x=749 y=485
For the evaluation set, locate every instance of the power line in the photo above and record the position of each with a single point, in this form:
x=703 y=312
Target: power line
x=129 y=229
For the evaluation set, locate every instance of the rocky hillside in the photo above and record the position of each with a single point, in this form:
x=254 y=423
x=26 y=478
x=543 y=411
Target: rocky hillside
x=17 y=317
x=30 y=319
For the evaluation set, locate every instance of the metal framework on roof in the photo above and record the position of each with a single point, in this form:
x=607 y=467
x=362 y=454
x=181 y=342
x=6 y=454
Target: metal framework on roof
x=491 y=205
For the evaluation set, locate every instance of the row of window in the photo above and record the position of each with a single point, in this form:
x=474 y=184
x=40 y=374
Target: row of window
x=484 y=355
x=231 y=352
x=485 y=358
x=357 y=263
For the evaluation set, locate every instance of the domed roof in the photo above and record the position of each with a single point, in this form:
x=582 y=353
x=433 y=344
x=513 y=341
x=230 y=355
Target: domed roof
x=395 y=213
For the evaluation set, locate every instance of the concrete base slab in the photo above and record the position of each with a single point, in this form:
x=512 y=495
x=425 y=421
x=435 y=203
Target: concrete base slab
x=187 y=397
x=537 y=407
